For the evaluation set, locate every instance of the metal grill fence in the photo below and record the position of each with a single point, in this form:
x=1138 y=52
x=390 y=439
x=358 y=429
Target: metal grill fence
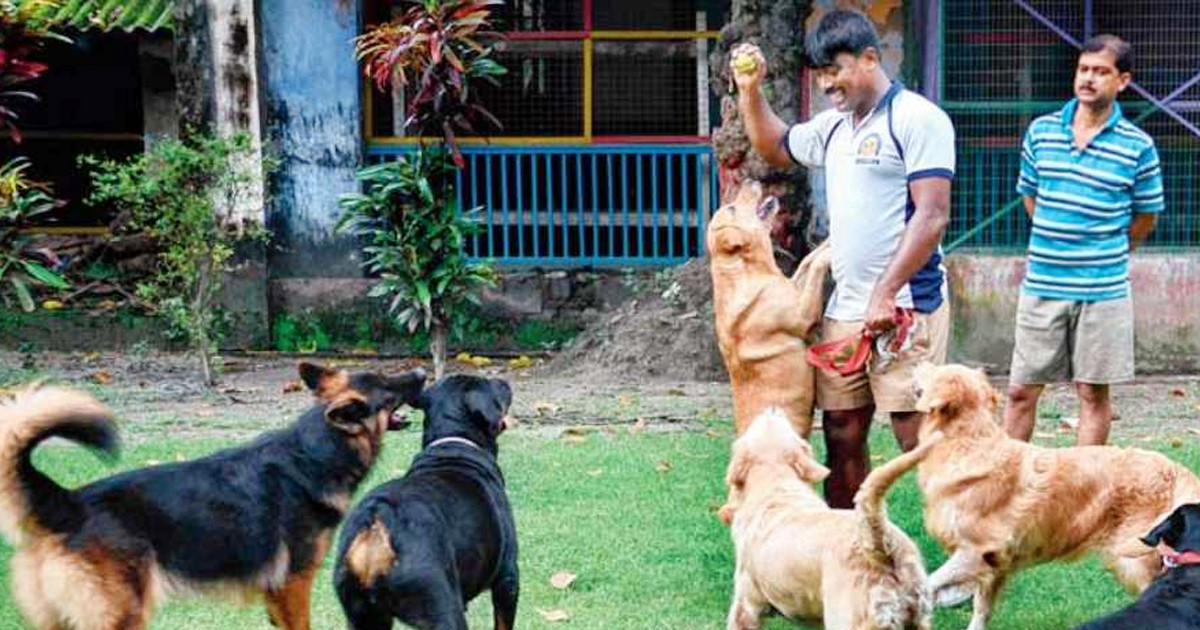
x=1006 y=62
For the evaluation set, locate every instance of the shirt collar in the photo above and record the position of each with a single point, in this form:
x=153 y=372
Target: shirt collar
x=888 y=96
x=1068 y=115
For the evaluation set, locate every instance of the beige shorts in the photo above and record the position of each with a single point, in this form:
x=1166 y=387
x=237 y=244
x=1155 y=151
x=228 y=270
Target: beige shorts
x=890 y=390
x=1085 y=342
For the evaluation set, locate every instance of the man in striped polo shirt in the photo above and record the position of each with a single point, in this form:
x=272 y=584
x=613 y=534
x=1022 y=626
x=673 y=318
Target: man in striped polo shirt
x=1092 y=186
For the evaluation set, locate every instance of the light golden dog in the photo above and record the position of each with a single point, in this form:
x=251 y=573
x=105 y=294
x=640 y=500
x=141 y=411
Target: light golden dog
x=853 y=569
x=761 y=316
x=998 y=504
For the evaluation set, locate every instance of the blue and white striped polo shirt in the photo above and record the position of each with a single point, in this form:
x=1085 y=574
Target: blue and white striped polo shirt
x=1085 y=200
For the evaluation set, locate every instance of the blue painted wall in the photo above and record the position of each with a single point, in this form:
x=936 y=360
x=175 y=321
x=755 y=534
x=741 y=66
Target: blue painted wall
x=312 y=117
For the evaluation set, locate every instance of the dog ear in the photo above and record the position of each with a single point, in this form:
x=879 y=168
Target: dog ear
x=739 y=467
x=808 y=468
x=347 y=414
x=411 y=384
x=322 y=381
x=1168 y=531
x=487 y=407
x=942 y=395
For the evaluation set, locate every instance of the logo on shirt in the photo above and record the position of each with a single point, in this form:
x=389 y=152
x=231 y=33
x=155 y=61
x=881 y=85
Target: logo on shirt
x=868 y=150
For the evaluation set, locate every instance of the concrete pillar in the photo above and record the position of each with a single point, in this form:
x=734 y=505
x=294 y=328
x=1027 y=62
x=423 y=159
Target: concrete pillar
x=313 y=116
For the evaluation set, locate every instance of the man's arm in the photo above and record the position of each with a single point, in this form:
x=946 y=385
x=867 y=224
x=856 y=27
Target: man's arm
x=768 y=134
x=1140 y=228
x=1030 y=204
x=931 y=196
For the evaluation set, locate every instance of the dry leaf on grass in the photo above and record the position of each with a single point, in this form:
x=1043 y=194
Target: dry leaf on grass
x=1178 y=393
x=663 y=467
x=543 y=407
x=554 y=615
x=638 y=426
x=713 y=433
x=562 y=579
x=625 y=400
x=292 y=387
x=1176 y=442
x=595 y=472
x=1193 y=430
x=103 y=378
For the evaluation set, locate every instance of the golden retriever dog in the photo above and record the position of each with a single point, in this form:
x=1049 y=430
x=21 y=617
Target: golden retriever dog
x=762 y=317
x=852 y=569
x=998 y=504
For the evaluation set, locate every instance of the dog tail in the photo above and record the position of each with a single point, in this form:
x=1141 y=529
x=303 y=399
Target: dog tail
x=31 y=502
x=370 y=555
x=869 y=499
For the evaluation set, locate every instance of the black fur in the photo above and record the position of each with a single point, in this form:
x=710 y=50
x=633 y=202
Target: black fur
x=225 y=516
x=448 y=520
x=1172 y=602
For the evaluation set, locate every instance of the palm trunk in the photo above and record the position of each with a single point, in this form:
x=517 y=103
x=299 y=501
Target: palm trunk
x=437 y=348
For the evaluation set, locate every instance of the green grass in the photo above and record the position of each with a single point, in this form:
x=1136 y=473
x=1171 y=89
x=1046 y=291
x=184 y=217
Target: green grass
x=648 y=551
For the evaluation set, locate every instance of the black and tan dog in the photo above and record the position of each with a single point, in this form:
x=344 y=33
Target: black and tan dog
x=248 y=521
x=1172 y=602
x=419 y=548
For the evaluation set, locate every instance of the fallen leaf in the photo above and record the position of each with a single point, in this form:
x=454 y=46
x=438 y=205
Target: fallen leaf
x=595 y=472
x=52 y=305
x=573 y=438
x=1193 y=430
x=543 y=407
x=103 y=378
x=554 y=615
x=625 y=400
x=1176 y=442
x=91 y=356
x=480 y=361
x=520 y=362
x=562 y=579
x=676 y=392
x=638 y=426
x=463 y=357
x=1069 y=422
x=713 y=433
x=1178 y=393
x=663 y=467
x=291 y=387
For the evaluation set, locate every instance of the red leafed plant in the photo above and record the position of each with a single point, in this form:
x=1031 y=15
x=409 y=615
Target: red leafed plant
x=435 y=49
x=23 y=31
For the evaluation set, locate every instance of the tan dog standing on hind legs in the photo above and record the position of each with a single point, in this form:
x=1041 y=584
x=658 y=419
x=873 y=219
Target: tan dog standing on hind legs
x=761 y=316
x=998 y=505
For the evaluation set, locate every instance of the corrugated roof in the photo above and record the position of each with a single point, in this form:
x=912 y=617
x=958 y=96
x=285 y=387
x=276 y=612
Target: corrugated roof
x=108 y=15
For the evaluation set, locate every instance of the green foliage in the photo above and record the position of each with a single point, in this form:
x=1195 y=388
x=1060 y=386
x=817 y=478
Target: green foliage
x=438 y=48
x=180 y=193
x=414 y=240
x=24 y=28
x=21 y=201
x=301 y=332
x=537 y=335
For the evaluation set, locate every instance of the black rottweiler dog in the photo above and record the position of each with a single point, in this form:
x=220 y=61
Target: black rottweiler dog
x=419 y=548
x=1172 y=602
x=249 y=521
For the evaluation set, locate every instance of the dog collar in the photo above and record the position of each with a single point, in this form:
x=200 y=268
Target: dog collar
x=1173 y=560
x=452 y=438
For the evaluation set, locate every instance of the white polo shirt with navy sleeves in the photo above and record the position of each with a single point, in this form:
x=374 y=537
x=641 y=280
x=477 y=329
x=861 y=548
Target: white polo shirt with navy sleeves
x=867 y=171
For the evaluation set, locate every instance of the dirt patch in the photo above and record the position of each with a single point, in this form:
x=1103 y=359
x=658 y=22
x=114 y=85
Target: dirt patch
x=664 y=332
x=159 y=397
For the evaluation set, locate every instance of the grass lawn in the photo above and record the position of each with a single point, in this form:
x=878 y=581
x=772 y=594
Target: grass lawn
x=631 y=514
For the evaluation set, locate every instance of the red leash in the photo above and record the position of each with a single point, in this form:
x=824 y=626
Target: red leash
x=848 y=355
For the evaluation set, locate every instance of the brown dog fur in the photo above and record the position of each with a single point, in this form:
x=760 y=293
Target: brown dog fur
x=851 y=568
x=998 y=504
x=761 y=317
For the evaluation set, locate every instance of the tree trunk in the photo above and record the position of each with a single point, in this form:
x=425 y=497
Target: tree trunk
x=777 y=27
x=437 y=348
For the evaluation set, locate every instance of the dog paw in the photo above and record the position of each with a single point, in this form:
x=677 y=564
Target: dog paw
x=952 y=595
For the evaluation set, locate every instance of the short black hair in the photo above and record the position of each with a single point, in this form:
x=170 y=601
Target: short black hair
x=1113 y=44
x=841 y=32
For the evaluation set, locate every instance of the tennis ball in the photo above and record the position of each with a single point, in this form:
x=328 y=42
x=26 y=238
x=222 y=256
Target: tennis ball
x=745 y=64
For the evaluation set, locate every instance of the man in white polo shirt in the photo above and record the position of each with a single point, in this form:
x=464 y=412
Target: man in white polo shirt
x=888 y=157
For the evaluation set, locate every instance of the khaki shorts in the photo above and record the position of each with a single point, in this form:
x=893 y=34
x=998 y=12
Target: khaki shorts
x=1085 y=342
x=890 y=390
